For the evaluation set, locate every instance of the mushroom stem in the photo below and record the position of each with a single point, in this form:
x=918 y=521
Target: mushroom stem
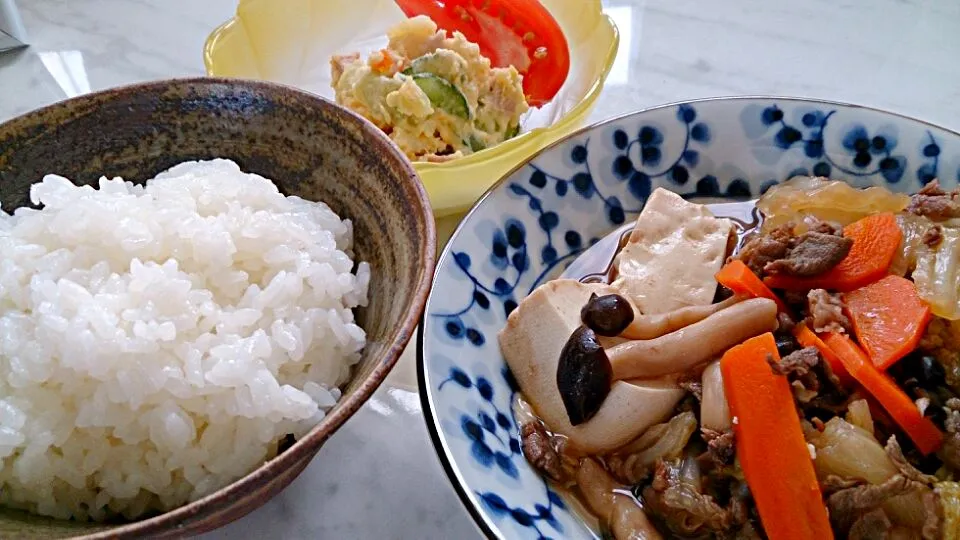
x=609 y=501
x=654 y=326
x=714 y=410
x=695 y=344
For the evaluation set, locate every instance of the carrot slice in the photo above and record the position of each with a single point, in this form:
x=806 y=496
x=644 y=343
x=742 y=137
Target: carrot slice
x=807 y=338
x=876 y=240
x=889 y=318
x=770 y=444
x=737 y=277
x=897 y=403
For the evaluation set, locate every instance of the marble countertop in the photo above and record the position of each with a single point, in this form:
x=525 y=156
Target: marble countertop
x=378 y=477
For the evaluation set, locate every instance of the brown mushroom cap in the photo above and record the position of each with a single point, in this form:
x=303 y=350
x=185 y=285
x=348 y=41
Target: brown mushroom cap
x=583 y=375
x=607 y=315
x=531 y=343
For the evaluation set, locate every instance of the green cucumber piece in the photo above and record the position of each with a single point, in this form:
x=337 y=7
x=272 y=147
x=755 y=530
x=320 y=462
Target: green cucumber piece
x=443 y=95
x=475 y=144
x=427 y=63
x=512 y=132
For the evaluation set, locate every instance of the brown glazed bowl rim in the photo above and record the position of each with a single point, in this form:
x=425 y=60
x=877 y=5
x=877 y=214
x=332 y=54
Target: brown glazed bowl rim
x=306 y=447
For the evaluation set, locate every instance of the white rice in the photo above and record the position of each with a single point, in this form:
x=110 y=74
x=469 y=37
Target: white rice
x=156 y=342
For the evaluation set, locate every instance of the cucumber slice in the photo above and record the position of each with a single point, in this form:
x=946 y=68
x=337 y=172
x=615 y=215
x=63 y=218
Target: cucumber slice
x=428 y=63
x=475 y=144
x=442 y=94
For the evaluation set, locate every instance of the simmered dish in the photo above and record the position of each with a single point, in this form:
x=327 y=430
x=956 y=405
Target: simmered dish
x=436 y=96
x=158 y=342
x=795 y=377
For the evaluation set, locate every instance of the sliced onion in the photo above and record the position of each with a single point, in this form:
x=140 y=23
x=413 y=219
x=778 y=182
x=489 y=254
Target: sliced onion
x=858 y=414
x=913 y=228
x=829 y=200
x=690 y=470
x=662 y=441
x=937 y=274
x=848 y=451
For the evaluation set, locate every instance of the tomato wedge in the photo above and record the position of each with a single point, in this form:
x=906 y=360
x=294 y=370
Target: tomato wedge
x=519 y=33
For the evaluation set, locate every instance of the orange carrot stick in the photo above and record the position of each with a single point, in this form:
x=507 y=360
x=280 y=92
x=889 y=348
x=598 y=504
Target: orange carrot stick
x=897 y=403
x=807 y=338
x=889 y=318
x=770 y=444
x=737 y=277
x=876 y=240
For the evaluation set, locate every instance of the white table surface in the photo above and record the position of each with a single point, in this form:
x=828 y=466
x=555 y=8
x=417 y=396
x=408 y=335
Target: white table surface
x=378 y=477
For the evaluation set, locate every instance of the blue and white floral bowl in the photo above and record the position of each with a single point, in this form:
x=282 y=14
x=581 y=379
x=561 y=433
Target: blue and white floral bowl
x=536 y=221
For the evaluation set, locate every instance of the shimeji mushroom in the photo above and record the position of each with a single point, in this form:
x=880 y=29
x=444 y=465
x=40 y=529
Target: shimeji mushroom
x=532 y=341
x=585 y=369
x=584 y=373
x=613 y=315
x=603 y=391
x=692 y=346
x=611 y=502
x=714 y=410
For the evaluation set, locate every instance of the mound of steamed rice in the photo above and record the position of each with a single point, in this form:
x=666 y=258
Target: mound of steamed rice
x=156 y=342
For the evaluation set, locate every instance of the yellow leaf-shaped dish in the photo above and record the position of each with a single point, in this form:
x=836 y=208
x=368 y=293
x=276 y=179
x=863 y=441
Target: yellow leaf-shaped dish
x=291 y=42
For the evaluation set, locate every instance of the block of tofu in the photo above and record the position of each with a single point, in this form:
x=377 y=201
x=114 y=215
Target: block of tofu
x=531 y=342
x=672 y=255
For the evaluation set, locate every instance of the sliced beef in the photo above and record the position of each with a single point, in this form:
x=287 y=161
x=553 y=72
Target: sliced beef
x=934 y=203
x=781 y=251
x=541 y=451
x=824 y=227
x=895 y=453
x=763 y=249
x=850 y=508
x=826 y=312
x=816 y=389
x=833 y=483
x=932 y=189
x=813 y=254
x=874 y=525
x=681 y=507
x=785 y=323
x=933 y=236
x=938 y=208
x=720 y=446
x=798 y=368
x=798 y=363
x=692 y=385
x=846 y=506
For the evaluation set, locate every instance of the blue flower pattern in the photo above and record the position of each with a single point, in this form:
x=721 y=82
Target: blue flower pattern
x=558 y=205
x=496 y=443
x=866 y=154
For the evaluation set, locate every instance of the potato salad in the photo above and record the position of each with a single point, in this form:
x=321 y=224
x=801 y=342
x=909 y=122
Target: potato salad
x=436 y=96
